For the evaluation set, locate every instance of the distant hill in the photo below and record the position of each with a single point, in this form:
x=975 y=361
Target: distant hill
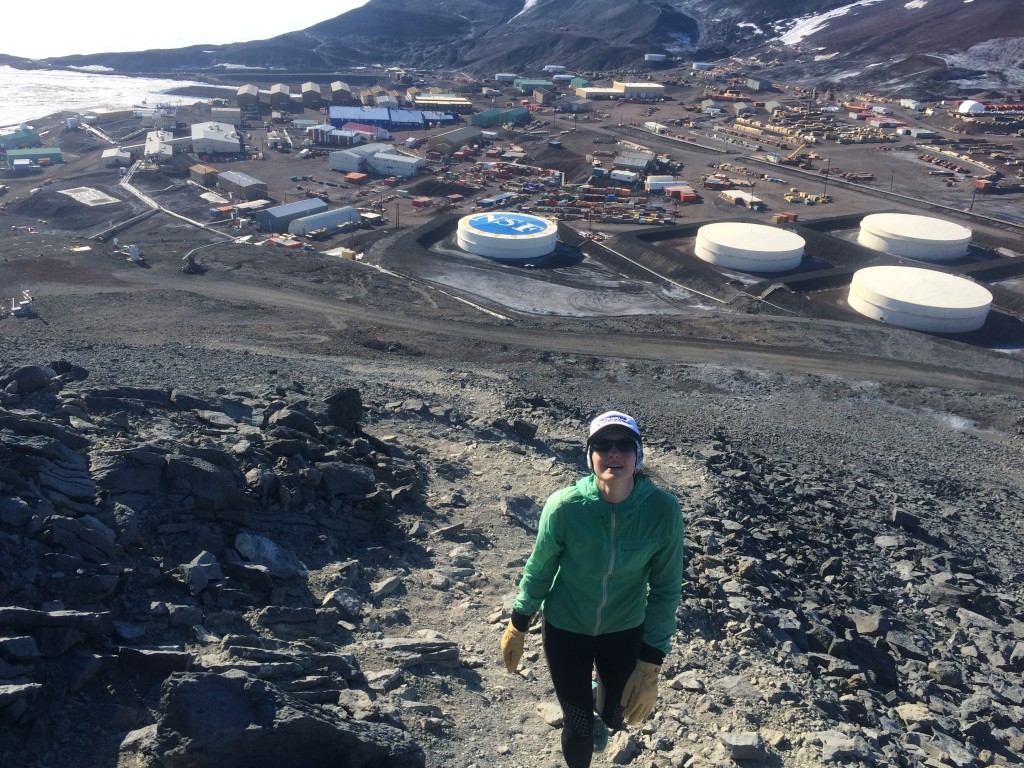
x=925 y=46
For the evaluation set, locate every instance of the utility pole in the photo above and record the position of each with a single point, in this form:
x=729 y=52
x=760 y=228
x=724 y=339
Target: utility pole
x=892 y=180
x=828 y=169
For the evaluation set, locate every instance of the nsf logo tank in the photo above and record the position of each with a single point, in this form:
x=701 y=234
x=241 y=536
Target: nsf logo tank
x=510 y=224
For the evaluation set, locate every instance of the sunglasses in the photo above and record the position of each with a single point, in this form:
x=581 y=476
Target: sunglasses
x=622 y=445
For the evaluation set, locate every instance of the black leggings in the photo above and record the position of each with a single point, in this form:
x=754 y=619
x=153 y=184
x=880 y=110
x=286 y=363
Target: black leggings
x=571 y=660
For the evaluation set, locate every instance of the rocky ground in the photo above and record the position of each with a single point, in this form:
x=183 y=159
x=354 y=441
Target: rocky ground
x=198 y=538
x=274 y=515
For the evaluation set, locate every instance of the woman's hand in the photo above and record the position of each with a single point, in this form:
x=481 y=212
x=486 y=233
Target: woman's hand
x=512 y=647
x=640 y=693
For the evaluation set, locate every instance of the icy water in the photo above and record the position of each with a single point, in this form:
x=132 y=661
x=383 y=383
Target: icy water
x=30 y=95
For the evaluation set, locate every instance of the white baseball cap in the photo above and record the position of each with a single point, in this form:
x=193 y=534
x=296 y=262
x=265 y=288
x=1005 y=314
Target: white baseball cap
x=617 y=419
x=618 y=422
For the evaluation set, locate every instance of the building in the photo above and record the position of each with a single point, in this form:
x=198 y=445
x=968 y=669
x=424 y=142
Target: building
x=159 y=146
x=544 y=96
x=575 y=105
x=392 y=163
x=35 y=154
x=353 y=160
x=554 y=69
x=242 y=185
x=633 y=161
x=280 y=97
x=487 y=118
x=203 y=174
x=391 y=119
x=248 y=97
x=278 y=218
x=516 y=116
x=367 y=132
x=506 y=77
x=757 y=84
x=341 y=93
x=229 y=115
x=642 y=90
x=526 y=85
x=444 y=102
x=593 y=93
x=115 y=156
x=329 y=136
x=312 y=98
x=449 y=141
x=21 y=138
x=375 y=158
x=333 y=221
x=216 y=138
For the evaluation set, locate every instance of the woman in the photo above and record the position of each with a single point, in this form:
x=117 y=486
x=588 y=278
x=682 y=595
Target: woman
x=607 y=571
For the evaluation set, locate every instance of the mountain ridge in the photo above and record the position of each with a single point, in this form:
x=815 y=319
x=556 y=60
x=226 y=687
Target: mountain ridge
x=943 y=45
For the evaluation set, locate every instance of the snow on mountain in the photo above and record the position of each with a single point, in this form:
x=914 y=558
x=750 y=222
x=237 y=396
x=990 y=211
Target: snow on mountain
x=804 y=27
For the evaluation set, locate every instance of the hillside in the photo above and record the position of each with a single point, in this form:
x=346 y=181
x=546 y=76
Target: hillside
x=273 y=516
x=936 y=47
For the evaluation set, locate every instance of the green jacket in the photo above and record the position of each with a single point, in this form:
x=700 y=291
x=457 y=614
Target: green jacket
x=598 y=567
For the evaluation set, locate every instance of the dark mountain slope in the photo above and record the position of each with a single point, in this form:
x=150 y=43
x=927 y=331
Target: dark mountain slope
x=928 y=45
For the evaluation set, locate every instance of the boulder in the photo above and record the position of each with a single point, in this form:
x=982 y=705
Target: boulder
x=210 y=720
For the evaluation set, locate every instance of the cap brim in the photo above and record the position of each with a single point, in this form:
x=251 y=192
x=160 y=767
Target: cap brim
x=621 y=429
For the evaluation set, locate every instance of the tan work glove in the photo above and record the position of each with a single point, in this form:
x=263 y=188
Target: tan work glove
x=512 y=647
x=640 y=693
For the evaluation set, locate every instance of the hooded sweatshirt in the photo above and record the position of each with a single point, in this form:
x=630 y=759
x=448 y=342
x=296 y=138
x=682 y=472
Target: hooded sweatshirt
x=598 y=567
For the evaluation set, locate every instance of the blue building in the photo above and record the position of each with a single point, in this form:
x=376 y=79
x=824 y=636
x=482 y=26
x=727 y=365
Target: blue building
x=392 y=119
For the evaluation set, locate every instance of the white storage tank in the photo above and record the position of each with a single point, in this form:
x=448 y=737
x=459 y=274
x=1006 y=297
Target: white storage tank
x=507 y=235
x=749 y=247
x=923 y=238
x=655 y=57
x=919 y=299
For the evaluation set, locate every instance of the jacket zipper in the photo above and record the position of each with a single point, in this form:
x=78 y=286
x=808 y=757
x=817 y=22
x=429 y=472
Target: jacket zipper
x=608 y=572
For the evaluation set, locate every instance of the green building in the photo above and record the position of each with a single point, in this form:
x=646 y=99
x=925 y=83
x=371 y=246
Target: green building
x=53 y=154
x=487 y=118
x=19 y=139
x=523 y=85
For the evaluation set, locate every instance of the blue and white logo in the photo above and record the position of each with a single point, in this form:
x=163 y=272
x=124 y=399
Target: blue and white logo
x=508 y=224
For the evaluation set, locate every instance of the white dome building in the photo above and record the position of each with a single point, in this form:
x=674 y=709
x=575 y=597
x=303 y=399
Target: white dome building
x=914 y=237
x=749 y=247
x=507 y=236
x=919 y=299
x=970 y=107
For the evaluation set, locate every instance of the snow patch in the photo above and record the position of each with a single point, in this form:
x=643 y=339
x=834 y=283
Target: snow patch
x=529 y=4
x=1000 y=59
x=680 y=43
x=808 y=25
x=751 y=26
x=916 y=4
